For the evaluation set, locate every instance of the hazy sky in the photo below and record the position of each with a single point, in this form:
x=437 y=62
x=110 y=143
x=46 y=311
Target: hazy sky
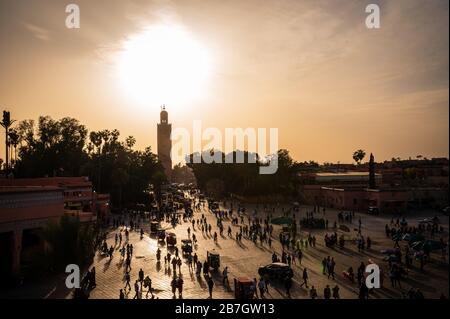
x=311 y=68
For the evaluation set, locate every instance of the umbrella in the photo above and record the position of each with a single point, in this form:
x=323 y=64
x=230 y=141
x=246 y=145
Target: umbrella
x=282 y=221
x=429 y=245
x=392 y=258
x=412 y=237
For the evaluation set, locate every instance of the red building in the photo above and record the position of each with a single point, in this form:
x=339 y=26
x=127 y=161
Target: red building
x=28 y=205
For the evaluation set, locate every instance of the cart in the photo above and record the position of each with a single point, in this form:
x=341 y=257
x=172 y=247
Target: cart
x=161 y=235
x=213 y=259
x=171 y=239
x=243 y=288
x=186 y=246
x=154 y=227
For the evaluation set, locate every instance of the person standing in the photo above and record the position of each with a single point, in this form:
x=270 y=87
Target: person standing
x=327 y=292
x=225 y=276
x=254 y=288
x=92 y=280
x=331 y=266
x=288 y=285
x=121 y=294
x=313 y=293
x=336 y=292
x=324 y=266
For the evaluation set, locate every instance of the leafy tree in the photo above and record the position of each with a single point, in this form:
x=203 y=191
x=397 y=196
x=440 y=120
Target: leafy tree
x=244 y=178
x=64 y=148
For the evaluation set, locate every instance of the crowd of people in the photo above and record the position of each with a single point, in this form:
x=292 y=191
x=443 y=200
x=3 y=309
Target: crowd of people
x=260 y=231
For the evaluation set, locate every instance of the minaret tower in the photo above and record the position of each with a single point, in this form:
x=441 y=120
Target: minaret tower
x=164 y=142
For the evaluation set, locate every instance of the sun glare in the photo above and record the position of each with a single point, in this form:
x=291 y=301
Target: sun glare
x=163 y=64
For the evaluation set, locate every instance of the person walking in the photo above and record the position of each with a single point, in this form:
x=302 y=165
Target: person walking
x=180 y=282
x=127 y=281
x=136 y=290
x=141 y=276
x=210 y=287
x=148 y=285
x=305 y=278
x=173 y=284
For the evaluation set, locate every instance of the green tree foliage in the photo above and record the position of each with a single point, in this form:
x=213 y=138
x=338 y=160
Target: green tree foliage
x=64 y=148
x=244 y=178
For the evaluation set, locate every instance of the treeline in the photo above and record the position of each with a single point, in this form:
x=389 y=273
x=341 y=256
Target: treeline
x=66 y=148
x=219 y=178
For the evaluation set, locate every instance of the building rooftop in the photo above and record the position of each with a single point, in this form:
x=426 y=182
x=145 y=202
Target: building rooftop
x=25 y=189
x=343 y=174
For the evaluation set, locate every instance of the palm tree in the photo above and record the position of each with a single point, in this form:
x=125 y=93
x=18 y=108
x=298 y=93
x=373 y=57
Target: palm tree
x=14 y=139
x=6 y=123
x=358 y=156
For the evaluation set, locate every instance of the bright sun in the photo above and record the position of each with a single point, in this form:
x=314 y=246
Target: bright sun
x=162 y=65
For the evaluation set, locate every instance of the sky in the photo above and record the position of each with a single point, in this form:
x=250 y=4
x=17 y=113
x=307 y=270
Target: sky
x=310 y=68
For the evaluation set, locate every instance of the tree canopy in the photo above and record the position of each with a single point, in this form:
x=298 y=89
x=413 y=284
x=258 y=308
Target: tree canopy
x=65 y=148
x=219 y=178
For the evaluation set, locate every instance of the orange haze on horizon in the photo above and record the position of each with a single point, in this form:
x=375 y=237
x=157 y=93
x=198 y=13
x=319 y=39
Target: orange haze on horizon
x=309 y=68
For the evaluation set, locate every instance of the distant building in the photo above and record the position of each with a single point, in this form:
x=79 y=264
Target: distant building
x=349 y=191
x=346 y=178
x=165 y=143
